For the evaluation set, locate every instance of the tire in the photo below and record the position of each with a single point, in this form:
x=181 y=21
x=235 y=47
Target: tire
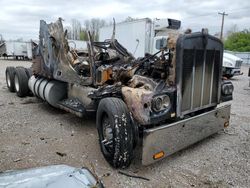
x=28 y=72
x=9 y=75
x=21 y=82
x=115 y=129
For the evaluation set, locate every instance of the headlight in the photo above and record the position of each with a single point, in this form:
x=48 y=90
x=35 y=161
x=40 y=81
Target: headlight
x=160 y=103
x=227 y=89
x=157 y=104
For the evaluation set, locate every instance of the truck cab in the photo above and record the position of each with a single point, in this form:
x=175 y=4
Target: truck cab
x=231 y=65
x=159 y=43
x=158 y=104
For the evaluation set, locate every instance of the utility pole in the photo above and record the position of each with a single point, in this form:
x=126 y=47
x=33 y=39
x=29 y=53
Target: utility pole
x=222 y=23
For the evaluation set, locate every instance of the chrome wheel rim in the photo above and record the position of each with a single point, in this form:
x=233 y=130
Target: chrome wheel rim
x=107 y=133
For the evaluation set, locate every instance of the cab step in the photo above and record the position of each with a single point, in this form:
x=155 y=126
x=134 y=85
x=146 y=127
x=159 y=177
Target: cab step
x=72 y=105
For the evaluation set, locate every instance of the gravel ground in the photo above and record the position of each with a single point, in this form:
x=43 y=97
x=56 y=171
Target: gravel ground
x=31 y=132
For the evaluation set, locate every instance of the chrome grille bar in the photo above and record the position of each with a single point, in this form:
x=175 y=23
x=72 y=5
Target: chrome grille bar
x=203 y=77
x=193 y=77
x=212 y=79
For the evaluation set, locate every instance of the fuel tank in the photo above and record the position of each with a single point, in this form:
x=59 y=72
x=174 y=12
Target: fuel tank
x=51 y=91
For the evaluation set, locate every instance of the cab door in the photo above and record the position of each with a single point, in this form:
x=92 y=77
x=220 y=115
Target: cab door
x=159 y=43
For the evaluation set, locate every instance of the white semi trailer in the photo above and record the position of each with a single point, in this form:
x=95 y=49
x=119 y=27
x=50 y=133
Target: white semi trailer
x=143 y=35
x=16 y=49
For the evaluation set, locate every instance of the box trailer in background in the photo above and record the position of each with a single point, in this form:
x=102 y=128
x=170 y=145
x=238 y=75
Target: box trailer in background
x=143 y=35
x=24 y=50
x=16 y=49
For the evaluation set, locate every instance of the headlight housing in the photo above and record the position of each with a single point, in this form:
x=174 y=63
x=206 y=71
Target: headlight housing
x=227 y=89
x=160 y=103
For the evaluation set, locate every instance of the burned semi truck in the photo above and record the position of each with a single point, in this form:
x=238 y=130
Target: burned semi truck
x=162 y=102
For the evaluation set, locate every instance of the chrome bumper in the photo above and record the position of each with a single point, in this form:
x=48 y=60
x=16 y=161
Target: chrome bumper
x=176 y=136
x=236 y=72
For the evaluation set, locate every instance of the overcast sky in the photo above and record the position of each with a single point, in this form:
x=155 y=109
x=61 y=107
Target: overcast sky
x=20 y=18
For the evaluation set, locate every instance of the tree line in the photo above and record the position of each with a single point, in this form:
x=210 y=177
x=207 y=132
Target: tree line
x=78 y=32
x=238 y=41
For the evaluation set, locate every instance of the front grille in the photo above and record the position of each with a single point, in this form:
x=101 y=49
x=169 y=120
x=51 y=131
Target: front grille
x=199 y=79
x=238 y=63
x=198 y=70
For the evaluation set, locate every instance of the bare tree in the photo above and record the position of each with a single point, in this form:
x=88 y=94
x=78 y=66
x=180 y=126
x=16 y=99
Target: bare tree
x=83 y=34
x=130 y=19
x=76 y=29
x=94 y=26
x=69 y=32
x=77 y=32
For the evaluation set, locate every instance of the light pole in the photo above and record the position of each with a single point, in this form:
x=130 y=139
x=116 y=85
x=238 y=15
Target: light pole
x=222 y=23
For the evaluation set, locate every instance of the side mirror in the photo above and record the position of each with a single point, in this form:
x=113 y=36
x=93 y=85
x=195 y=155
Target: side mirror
x=161 y=43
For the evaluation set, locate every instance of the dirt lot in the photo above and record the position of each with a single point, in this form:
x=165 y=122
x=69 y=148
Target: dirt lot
x=31 y=132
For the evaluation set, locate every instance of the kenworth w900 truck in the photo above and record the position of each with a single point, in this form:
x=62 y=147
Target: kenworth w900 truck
x=162 y=102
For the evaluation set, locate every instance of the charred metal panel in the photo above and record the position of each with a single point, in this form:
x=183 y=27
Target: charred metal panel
x=139 y=96
x=171 y=44
x=54 y=57
x=138 y=101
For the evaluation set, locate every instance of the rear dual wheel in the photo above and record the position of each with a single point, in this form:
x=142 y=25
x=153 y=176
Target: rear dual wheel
x=9 y=75
x=21 y=82
x=17 y=80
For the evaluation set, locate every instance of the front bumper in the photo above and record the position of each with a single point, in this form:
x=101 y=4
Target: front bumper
x=233 y=71
x=171 y=138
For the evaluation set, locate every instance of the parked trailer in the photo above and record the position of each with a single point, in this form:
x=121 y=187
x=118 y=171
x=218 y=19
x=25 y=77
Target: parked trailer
x=155 y=104
x=143 y=35
x=16 y=49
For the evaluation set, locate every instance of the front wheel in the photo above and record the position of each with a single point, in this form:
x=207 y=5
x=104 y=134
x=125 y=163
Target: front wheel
x=115 y=129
